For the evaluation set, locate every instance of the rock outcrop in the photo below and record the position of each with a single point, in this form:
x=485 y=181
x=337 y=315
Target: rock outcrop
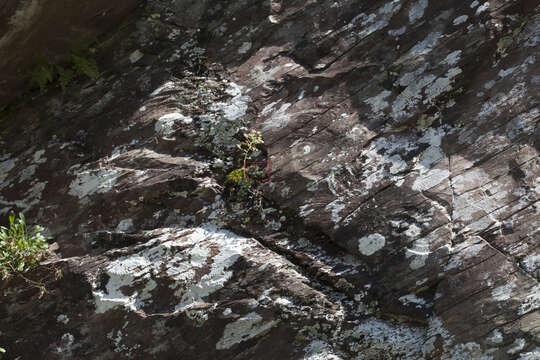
x=401 y=219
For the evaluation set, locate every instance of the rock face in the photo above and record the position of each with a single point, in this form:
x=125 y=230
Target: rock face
x=402 y=215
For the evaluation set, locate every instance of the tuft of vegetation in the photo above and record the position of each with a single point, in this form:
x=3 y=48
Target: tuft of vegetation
x=2 y=351
x=80 y=63
x=235 y=176
x=65 y=76
x=85 y=66
x=21 y=250
x=249 y=145
x=41 y=75
x=21 y=247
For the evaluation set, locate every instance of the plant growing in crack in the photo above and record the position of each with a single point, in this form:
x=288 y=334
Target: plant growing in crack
x=21 y=250
x=249 y=145
x=237 y=177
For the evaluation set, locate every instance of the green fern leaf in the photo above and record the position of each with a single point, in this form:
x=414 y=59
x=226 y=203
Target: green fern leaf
x=65 y=76
x=41 y=76
x=85 y=66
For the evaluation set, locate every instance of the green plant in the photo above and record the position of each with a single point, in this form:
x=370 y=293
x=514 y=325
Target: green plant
x=249 y=145
x=235 y=176
x=41 y=75
x=2 y=351
x=21 y=247
x=64 y=77
x=80 y=63
x=83 y=65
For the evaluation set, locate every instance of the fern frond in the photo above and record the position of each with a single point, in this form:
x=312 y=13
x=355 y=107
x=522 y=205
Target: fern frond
x=65 y=76
x=41 y=76
x=85 y=66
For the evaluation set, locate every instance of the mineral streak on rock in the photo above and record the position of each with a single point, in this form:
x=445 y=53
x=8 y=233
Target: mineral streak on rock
x=401 y=221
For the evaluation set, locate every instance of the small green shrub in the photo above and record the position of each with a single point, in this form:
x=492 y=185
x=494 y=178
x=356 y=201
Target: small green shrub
x=21 y=248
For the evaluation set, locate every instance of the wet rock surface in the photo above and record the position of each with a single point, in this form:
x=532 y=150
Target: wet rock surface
x=401 y=219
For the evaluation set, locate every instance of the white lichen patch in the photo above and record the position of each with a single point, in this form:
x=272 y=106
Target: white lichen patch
x=453 y=58
x=441 y=85
x=531 y=262
x=412 y=94
x=369 y=245
x=5 y=166
x=377 y=102
x=530 y=355
x=335 y=207
x=468 y=249
x=62 y=319
x=167 y=124
x=503 y=292
x=245 y=328
x=320 y=350
x=460 y=20
x=29 y=172
x=450 y=348
x=177 y=256
x=278 y=120
x=496 y=337
x=499 y=101
x=397 y=32
x=89 y=182
x=165 y=86
x=125 y=225
x=412 y=299
x=375 y=334
x=421 y=248
x=430 y=179
x=517 y=346
x=469 y=180
x=305 y=211
x=226 y=119
x=416 y=12
x=32 y=197
x=531 y=302
x=65 y=345
x=482 y=8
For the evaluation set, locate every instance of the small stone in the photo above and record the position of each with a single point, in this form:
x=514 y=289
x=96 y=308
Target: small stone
x=135 y=56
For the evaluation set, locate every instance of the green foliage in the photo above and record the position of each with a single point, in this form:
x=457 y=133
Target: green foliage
x=80 y=63
x=235 y=176
x=41 y=75
x=2 y=351
x=21 y=248
x=249 y=145
x=245 y=189
x=65 y=76
x=85 y=66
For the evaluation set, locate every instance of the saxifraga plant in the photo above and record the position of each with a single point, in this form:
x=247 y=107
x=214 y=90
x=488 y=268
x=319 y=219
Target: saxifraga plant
x=249 y=145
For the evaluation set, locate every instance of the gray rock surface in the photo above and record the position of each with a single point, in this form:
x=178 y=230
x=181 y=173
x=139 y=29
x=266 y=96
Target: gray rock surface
x=401 y=219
